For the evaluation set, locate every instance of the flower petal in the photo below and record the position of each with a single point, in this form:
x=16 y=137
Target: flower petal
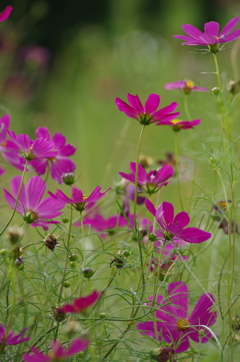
x=135 y=103
x=229 y=27
x=152 y=103
x=212 y=28
x=195 y=235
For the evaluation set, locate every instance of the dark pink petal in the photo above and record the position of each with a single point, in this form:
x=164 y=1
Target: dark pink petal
x=12 y=202
x=96 y=194
x=202 y=313
x=39 y=165
x=68 y=308
x=195 y=235
x=6 y=13
x=165 y=173
x=22 y=140
x=175 y=85
x=135 y=103
x=34 y=191
x=78 y=345
x=67 y=150
x=192 y=31
x=59 y=140
x=77 y=195
x=179 y=298
x=165 y=111
x=44 y=133
x=124 y=107
x=174 y=229
x=35 y=356
x=183 y=345
x=152 y=103
x=15 y=185
x=142 y=175
x=147 y=328
x=200 y=89
x=229 y=27
x=61 y=196
x=59 y=166
x=167 y=210
x=49 y=208
x=191 y=124
x=211 y=28
x=85 y=302
x=43 y=148
x=233 y=36
x=126 y=176
x=182 y=218
x=150 y=207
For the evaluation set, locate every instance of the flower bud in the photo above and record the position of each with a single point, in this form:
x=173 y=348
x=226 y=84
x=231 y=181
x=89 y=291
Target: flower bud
x=126 y=253
x=233 y=87
x=3 y=252
x=19 y=263
x=162 y=354
x=72 y=264
x=102 y=315
x=65 y=219
x=152 y=237
x=236 y=323
x=58 y=315
x=14 y=234
x=216 y=91
x=68 y=178
x=73 y=257
x=66 y=284
x=51 y=241
x=16 y=252
x=88 y=272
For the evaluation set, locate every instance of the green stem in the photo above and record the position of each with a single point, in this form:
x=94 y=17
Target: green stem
x=83 y=241
x=217 y=71
x=18 y=195
x=177 y=168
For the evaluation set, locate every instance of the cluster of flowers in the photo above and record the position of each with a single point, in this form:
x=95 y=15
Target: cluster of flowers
x=172 y=322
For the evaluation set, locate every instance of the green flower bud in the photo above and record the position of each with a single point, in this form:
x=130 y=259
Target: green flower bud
x=88 y=272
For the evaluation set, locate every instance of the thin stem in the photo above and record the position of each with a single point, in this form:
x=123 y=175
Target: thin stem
x=217 y=71
x=18 y=195
x=83 y=241
x=177 y=168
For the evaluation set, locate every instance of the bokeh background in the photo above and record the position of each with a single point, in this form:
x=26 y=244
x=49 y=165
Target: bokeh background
x=63 y=63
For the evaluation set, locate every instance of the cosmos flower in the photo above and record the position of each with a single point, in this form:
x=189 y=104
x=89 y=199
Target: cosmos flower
x=7 y=337
x=8 y=148
x=57 y=352
x=178 y=124
x=60 y=163
x=148 y=113
x=187 y=86
x=80 y=304
x=34 y=210
x=211 y=36
x=79 y=201
x=149 y=182
x=174 y=324
x=4 y=15
x=176 y=226
x=39 y=148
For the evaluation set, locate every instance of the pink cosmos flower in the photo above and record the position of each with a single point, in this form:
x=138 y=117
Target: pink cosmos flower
x=187 y=86
x=40 y=148
x=57 y=352
x=109 y=225
x=147 y=114
x=176 y=226
x=80 y=304
x=149 y=182
x=173 y=323
x=60 y=163
x=34 y=210
x=8 y=148
x=7 y=337
x=178 y=124
x=211 y=34
x=5 y=13
x=79 y=200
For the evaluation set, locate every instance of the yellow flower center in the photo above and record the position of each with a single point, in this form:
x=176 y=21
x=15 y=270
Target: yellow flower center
x=176 y=121
x=182 y=324
x=189 y=84
x=223 y=204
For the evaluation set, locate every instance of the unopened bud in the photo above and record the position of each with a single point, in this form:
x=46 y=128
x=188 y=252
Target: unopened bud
x=88 y=272
x=72 y=264
x=65 y=219
x=236 y=323
x=233 y=87
x=66 y=284
x=102 y=315
x=3 y=252
x=68 y=178
x=126 y=253
x=14 y=234
x=162 y=354
x=19 y=263
x=73 y=257
x=16 y=252
x=216 y=91
x=152 y=237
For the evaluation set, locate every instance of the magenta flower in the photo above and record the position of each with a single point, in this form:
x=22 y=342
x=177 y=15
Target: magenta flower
x=79 y=200
x=99 y=223
x=211 y=36
x=176 y=226
x=8 y=148
x=60 y=163
x=57 y=352
x=149 y=182
x=5 y=13
x=7 y=337
x=40 y=148
x=80 y=304
x=147 y=114
x=178 y=124
x=174 y=325
x=34 y=210
x=187 y=86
